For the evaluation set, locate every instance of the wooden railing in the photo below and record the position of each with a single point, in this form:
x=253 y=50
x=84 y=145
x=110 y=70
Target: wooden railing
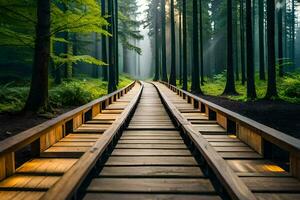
x=67 y=186
x=259 y=137
x=40 y=137
x=229 y=182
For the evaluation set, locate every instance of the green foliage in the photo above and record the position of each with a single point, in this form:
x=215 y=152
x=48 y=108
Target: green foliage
x=288 y=87
x=72 y=92
x=12 y=97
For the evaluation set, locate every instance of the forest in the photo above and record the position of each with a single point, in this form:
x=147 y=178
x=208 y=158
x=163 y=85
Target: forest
x=58 y=54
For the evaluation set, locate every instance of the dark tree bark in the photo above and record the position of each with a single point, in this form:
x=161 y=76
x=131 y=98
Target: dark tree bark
x=156 y=76
x=293 y=35
x=116 y=26
x=173 y=47
x=180 y=47
x=242 y=19
x=271 y=88
x=201 y=44
x=280 y=42
x=111 y=43
x=164 y=76
x=95 y=67
x=184 y=46
x=38 y=95
x=251 y=93
x=230 y=84
x=104 y=44
x=262 y=75
x=195 y=68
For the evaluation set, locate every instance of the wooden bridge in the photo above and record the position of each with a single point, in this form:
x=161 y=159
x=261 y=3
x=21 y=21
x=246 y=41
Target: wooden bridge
x=151 y=141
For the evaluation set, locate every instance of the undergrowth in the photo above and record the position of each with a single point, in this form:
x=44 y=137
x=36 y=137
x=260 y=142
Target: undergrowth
x=288 y=87
x=72 y=92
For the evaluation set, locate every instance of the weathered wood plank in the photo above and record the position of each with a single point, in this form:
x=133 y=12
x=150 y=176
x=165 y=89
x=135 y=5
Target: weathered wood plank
x=151 y=185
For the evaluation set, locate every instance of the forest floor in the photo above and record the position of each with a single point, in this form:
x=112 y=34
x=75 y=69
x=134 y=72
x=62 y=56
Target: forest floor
x=63 y=98
x=280 y=115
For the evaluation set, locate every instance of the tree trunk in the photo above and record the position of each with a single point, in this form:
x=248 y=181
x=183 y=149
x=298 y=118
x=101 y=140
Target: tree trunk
x=293 y=35
x=242 y=17
x=280 y=44
x=112 y=76
x=173 y=47
x=116 y=25
x=201 y=45
x=230 y=84
x=95 y=67
x=251 y=93
x=156 y=76
x=38 y=95
x=195 y=40
x=184 y=46
x=262 y=75
x=271 y=88
x=104 y=45
x=180 y=47
x=163 y=41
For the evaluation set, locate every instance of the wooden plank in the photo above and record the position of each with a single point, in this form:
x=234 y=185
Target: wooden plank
x=74 y=144
x=278 y=196
x=151 y=146
x=120 y=196
x=151 y=142
x=28 y=182
x=272 y=184
x=153 y=171
x=228 y=144
x=150 y=152
x=151 y=185
x=209 y=128
x=151 y=160
x=240 y=155
x=155 y=137
x=233 y=149
x=20 y=195
x=255 y=166
x=46 y=166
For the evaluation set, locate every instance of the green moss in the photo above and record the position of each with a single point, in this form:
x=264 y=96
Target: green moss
x=72 y=92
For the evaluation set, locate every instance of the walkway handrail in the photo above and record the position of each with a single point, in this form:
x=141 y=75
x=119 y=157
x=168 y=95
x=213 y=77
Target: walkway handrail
x=234 y=186
x=64 y=188
x=46 y=134
x=26 y=137
x=282 y=140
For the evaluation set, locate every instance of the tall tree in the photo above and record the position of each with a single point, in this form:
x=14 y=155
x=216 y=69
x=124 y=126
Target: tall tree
x=201 y=43
x=271 y=88
x=180 y=46
x=261 y=26
x=38 y=95
x=251 y=93
x=230 y=84
x=116 y=36
x=184 y=46
x=156 y=24
x=163 y=41
x=173 y=47
x=195 y=40
x=280 y=41
x=112 y=86
x=104 y=44
x=242 y=33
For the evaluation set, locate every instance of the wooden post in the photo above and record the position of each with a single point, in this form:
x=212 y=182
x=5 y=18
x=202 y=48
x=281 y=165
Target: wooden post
x=295 y=165
x=7 y=165
x=222 y=120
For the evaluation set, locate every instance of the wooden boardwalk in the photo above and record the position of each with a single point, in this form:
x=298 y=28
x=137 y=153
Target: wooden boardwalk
x=150 y=141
